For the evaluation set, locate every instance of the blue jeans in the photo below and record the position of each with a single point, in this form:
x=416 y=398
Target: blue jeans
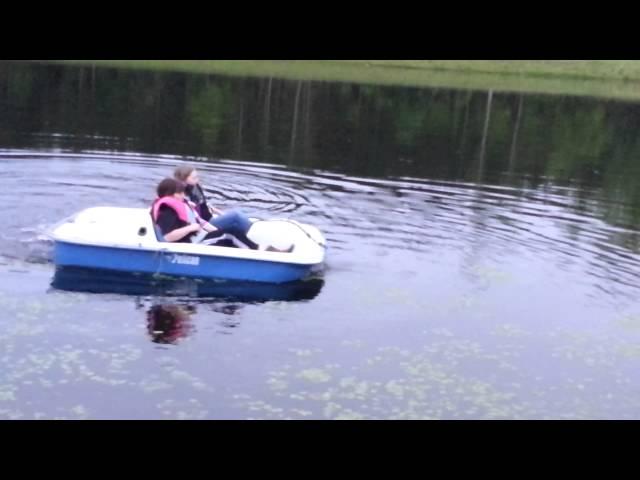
x=236 y=223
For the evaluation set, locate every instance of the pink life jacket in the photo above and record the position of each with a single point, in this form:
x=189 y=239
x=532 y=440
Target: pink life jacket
x=178 y=206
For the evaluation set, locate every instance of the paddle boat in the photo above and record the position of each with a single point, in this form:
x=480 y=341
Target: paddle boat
x=126 y=239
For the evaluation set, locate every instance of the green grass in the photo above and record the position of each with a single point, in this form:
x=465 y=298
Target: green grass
x=578 y=69
x=598 y=78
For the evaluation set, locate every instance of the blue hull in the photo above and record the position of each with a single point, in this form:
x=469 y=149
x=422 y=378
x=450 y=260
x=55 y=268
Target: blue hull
x=182 y=265
x=91 y=280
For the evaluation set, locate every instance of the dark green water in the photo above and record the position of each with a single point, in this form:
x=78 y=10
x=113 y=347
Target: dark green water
x=483 y=253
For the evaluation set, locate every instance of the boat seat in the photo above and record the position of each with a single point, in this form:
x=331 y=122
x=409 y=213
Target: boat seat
x=156 y=229
x=158 y=232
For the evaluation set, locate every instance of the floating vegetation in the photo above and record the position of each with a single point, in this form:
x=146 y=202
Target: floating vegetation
x=490 y=275
x=509 y=330
x=315 y=375
x=80 y=412
x=431 y=383
x=630 y=322
x=153 y=385
x=191 y=409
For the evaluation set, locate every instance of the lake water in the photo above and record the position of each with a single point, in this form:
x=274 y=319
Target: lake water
x=483 y=251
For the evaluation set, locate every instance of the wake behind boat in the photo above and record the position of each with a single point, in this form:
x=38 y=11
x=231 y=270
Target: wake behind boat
x=125 y=239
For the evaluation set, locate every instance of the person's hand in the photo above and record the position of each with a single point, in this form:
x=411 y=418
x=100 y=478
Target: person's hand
x=195 y=227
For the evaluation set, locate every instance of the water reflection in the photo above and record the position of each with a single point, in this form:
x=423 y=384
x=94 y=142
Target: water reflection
x=170 y=303
x=481 y=137
x=77 y=279
x=167 y=324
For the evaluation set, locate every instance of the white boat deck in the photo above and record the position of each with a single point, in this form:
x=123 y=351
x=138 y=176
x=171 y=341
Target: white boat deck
x=132 y=228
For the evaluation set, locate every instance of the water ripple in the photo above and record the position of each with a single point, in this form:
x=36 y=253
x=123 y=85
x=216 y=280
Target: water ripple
x=561 y=224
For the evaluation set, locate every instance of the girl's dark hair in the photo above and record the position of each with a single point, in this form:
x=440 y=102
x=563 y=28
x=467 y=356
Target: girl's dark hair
x=169 y=186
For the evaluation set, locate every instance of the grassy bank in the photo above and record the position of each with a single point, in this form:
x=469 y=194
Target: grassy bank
x=599 y=78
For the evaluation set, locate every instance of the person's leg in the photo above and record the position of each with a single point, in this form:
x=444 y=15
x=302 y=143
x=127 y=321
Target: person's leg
x=209 y=237
x=238 y=224
x=235 y=223
x=232 y=220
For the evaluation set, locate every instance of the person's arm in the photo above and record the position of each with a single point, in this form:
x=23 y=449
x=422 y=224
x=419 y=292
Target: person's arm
x=180 y=233
x=206 y=226
x=213 y=210
x=168 y=221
